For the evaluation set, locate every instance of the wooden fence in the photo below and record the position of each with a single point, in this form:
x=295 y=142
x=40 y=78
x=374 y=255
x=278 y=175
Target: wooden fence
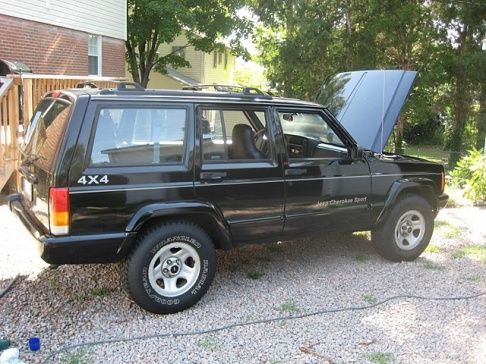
x=19 y=96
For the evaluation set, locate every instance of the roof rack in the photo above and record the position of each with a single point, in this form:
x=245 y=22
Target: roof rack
x=129 y=86
x=123 y=86
x=230 y=90
x=253 y=91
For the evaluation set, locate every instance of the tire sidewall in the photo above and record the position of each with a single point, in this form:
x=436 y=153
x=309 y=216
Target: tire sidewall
x=138 y=275
x=388 y=246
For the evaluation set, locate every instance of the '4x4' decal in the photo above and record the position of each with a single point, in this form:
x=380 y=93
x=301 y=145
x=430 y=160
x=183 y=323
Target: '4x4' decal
x=93 y=180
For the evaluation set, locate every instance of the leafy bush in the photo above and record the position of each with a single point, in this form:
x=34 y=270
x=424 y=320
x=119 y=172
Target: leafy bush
x=470 y=173
x=428 y=131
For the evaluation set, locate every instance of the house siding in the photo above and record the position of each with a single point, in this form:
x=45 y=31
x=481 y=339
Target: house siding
x=193 y=56
x=218 y=74
x=202 y=67
x=49 y=49
x=107 y=17
x=158 y=81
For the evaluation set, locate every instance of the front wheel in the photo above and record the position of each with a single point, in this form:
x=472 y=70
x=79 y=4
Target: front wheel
x=171 y=268
x=406 y=231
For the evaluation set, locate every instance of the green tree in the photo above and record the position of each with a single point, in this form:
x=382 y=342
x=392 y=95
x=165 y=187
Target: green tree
x=303 y=42
x=462 y=25
x=250 y=74
x=403 y=37
x=298 y=44
x=205 y=24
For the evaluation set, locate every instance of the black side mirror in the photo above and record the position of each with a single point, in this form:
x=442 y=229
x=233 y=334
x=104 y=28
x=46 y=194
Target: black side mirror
x=356 y=153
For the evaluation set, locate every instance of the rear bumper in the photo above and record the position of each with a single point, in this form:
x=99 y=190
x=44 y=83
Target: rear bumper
x=78 y=249
x=15 y=205
x=442 y=201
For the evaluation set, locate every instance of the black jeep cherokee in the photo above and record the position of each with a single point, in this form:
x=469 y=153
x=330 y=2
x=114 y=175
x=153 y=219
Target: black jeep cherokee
x=163 y=178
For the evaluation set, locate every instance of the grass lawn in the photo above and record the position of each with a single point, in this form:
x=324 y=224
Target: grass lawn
x=433 y=153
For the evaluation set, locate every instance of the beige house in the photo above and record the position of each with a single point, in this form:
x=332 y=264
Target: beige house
x=206 y=68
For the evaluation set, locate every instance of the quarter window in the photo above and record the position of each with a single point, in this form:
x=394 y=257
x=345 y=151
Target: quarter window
x=45 y=131
x=234 y=135
x=139 y=136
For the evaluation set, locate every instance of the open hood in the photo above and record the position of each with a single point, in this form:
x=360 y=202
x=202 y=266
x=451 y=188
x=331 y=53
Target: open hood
x=367 y=103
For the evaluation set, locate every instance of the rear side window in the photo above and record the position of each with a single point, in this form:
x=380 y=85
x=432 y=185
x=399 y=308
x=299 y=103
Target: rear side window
x=139 y=136
x=45 y=130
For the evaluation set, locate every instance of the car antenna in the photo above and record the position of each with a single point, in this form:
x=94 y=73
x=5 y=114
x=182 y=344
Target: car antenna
x=382 y=114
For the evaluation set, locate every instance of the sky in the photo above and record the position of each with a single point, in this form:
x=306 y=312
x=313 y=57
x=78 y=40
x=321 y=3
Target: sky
x=245 y=12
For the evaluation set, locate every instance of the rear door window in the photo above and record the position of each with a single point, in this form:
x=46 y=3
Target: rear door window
x=139 y=136
x=234 y=134
x=45 y=131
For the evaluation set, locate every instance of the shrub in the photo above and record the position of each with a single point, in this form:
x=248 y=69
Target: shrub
x=470 y=174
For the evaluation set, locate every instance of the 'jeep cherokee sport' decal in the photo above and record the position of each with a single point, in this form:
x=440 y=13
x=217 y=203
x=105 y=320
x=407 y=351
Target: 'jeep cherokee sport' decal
x=344 y=201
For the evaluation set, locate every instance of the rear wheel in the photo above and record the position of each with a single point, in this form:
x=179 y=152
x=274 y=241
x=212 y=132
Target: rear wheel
x=406 y=231
x=171 y=268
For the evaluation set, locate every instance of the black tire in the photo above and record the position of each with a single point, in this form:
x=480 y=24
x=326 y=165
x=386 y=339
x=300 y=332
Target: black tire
x=166 y=244
x=385 y=239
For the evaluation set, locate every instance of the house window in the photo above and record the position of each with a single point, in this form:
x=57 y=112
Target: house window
x=179 y=51
x=94 y=55
x=218 y=58
x=225 y=60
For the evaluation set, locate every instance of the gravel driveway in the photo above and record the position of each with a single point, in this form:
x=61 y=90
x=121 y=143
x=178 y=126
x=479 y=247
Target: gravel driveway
x=79 y=304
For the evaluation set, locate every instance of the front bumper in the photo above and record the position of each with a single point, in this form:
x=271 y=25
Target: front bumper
x=76 y=249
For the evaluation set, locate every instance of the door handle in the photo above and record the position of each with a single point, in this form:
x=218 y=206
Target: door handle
x=212 y=176
x=295 y=172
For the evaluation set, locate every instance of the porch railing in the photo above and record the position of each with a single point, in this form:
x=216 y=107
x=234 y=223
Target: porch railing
x=9 y=121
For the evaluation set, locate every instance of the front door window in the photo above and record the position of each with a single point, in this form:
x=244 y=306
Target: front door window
x=308 y=135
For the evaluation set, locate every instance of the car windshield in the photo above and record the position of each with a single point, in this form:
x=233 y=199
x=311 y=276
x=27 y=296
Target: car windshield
x=44 y=132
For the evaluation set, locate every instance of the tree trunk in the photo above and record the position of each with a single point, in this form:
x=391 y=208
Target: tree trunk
x=461 y=105
x=399 y=135
x=349 y=32
x=405 y=65
x=132 y=62
x=460 y=117
x=481 y=119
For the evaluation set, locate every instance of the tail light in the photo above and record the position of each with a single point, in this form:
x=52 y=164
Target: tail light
x=59 y=210
x=442 y=182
